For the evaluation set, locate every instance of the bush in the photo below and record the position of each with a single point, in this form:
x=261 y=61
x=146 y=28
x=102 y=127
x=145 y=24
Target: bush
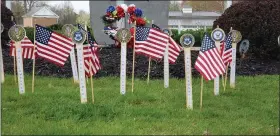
x=55 y=27
x=198 y=34
x=258 y=21
x=6 y=15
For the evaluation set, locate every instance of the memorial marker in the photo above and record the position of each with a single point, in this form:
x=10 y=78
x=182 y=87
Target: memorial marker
x=217 y=35
x=187 y=41
x=17 y=33
x=78 y=38
x=236 y=37
x=123 y=35
x=165 y=61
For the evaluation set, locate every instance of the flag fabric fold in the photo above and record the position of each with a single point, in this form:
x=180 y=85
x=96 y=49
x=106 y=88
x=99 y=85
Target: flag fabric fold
x=91 y=55
x=27 y=48
x=52 y=46
x=91 y=60
x=227 y=51
x=150 y=42
x=173 y=51
x=209 y=62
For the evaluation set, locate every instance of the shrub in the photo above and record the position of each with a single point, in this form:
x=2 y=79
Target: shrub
x=56 y=26
x=6 y=15
x=258 y=21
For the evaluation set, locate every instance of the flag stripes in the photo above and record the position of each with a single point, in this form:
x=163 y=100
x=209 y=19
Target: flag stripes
x=91 y=60
x=52 y=46
x=27 y=48
x=209 y=62
x=227 y=52
x=174 y=51
x=150 y=42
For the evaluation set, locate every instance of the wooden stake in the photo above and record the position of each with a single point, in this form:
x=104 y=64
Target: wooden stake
x=15 y=67
x=149 y=70
x=133 y=62
x=226 y=78
x=91 y=82
x=201 y=92
x=33 y=70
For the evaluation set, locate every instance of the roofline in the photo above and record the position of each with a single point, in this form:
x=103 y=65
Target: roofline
x=56 y=16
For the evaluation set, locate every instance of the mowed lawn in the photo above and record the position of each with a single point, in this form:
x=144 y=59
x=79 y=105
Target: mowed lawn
x=55 y=108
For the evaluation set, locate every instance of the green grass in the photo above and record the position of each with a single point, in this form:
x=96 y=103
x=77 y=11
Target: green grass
x=55 y=108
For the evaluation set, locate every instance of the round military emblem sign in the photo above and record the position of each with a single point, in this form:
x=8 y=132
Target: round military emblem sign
x=16 y=33
x=244 y=46
x=279 y=40
x=2 y=28
x=167 y=31
x=218 y=34
x=236 y=36
x=187 y=40
x=123 y=35
x=68 y=29
x=79 y=37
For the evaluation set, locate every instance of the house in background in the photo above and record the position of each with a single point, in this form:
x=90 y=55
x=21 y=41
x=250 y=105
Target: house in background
x=40 y=15
x=187 y=19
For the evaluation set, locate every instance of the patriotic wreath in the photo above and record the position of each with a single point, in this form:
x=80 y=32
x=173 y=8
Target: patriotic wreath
x=114 y=14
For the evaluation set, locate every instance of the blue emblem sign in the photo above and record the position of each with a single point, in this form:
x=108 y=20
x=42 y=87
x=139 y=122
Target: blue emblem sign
x=218 y=34
x=167 y=31
x=187 y=40
x=79 y=37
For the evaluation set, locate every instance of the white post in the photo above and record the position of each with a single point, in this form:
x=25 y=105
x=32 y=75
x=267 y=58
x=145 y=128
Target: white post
x=123 y=68
x=166 y=67
x=217 y=79
x=188 y=76
x=233 y=66
x=2 y=78
x=83 y=89
x=20 y=68
x=74 y=65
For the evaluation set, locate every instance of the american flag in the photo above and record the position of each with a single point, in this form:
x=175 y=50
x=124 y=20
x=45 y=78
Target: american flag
x=174 y=51
x=91 y=60
x=27 y=48
x=52 y=46
x=150 y=42
x=156 y=27
x=91 y=57
x=91 y=39
x=174 y=48
x=227 y=52
x=209 y=62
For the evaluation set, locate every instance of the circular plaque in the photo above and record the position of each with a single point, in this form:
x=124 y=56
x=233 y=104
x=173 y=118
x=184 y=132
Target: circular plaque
x=279 y=40
x=236 y=36
x=16 y=33
x=244 y=46
x=218 y=34
x=2 y=28
x=167 y=31
x=68 y=29
x=78 y=37
x=187 y=40
x=123 y=35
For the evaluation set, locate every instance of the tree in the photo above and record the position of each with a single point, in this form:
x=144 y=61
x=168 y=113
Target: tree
x=215 y=6
x=6 y=15
x=258 y=21
x=66 y=13
x=18 y=11
x=174 y=6
x=83 y=17
x=28 y=4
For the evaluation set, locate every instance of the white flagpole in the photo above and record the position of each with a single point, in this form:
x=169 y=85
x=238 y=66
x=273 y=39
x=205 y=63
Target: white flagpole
x=74 y=65
x=123 y=68
x=1 y=59
x=233 y=66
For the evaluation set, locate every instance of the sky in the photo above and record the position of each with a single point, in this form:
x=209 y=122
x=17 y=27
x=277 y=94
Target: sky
x=77 y=5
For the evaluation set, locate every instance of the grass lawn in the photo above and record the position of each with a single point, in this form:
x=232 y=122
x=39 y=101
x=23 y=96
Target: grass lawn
x=55 y=108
